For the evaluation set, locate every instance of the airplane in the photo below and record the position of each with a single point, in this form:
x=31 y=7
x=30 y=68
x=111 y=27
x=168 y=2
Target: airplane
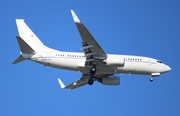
x=94 y=64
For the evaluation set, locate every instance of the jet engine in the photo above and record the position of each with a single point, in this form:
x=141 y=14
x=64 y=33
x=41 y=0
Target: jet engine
x=114 y=61
x=110 y=80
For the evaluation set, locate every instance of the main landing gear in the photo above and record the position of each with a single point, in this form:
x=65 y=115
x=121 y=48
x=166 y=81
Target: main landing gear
x=92 y=72
x=90 y=81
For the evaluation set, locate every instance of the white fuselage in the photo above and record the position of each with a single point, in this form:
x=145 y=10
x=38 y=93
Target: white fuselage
x=76 y=62
x=94 y=63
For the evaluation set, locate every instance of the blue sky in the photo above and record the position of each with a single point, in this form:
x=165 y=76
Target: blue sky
x=146 y=28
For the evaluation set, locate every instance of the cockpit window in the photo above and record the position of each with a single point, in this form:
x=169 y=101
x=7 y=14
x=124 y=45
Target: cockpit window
x=159 y=61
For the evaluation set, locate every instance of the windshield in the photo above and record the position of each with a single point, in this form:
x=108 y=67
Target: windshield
x=159 y=61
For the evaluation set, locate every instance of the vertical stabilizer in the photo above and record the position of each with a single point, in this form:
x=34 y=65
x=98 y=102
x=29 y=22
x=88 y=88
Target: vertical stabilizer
x=29 y=37
x=28 y=42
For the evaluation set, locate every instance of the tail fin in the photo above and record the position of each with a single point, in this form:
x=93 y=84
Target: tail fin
x=28 y=42
x=27 y=35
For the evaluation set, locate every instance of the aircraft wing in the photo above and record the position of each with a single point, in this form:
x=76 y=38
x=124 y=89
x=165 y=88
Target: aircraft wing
x=80 y=82
x=92 y=49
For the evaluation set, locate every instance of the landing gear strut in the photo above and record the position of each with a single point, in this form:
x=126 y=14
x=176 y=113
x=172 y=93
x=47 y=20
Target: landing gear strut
x=93 y=69
x=92 y=72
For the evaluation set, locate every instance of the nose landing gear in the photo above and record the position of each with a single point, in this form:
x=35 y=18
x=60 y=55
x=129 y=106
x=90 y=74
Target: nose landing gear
x=151 y=79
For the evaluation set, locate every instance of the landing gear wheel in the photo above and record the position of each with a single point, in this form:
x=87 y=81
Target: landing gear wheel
x=151 y=79
x=90 y=81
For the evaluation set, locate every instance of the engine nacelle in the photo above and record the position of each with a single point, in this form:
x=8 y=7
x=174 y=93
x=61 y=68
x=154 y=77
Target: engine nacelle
x=115 y=61
x=110 y=80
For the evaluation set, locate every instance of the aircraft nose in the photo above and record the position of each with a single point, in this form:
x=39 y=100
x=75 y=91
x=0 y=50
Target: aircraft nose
x=167 y=68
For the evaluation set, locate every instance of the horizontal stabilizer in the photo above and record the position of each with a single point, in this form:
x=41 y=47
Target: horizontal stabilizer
x=19 y=59
x=25 y=48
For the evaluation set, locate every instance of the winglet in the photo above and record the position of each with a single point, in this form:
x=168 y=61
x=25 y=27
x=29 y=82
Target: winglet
x=61 y=83
x=76 y=19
